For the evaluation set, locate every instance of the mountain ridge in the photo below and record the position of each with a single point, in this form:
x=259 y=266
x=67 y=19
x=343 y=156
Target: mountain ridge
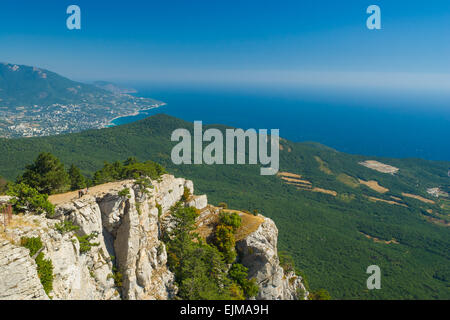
x=39 y=102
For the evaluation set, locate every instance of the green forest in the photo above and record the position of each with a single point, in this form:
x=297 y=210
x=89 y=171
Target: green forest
x=332 y=239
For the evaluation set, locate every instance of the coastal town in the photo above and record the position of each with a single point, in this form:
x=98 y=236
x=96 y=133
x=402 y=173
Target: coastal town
x=54 y=119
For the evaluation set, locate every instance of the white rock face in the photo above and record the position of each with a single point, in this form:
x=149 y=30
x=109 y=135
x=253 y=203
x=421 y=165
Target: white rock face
x=18 y=277
x=199 y=202
x=170 y=190
x=127 y=242
x=258 y=252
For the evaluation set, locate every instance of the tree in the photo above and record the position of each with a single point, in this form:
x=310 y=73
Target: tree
x=239 y=274
x=186 y=194
x=130 y=169
x=26 y=198
x=77 y=180
x=46 y=175
x=199 y=269
x=225 y=242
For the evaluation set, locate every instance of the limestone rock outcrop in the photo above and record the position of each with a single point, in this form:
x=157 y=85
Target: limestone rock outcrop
x=117 y=251
x=258 y=252
x=18 y=279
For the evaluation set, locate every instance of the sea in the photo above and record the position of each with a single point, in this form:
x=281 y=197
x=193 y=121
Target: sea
x=372 y=123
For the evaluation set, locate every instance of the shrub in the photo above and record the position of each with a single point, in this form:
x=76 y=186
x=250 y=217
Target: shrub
x=32 y=244
x=117 y=276
x=85 y=242
x=65 y=227
x=300 y=293
x=44 y=266
x=28 y=198
x=223 y=205
x=239 y=274
x=225 y=242
x=320 y=294
x=286 y=261
x=125 y=193
x=45 y=272
x=186 y=194
x=138 y=208
x=143 y=183
x=158 y=206
x=236 y=292
x=232 y=220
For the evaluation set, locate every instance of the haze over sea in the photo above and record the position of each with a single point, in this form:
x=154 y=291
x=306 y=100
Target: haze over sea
x=370 y=123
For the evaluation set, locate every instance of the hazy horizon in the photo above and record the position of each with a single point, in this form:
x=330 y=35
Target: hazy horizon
x=286 y=44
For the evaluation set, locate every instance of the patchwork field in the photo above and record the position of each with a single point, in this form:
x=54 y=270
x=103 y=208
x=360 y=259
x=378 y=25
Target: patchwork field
x=380 y=167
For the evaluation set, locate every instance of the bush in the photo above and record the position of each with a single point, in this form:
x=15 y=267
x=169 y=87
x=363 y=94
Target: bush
x=85 y=242
x=28 y=198
x=44 y=266
x=286 y=261
x=65 y=227
x=232 y=220
x=225 y=242
x=321 y=294
x=236 y=292
x=117 y=276
x=223 y=205
x=239 y=274
x=32 y=244
x=158 y=206
x=125 y=193
x=143 y=183
x=186 y=194
x=300 y=293
x=45 y=272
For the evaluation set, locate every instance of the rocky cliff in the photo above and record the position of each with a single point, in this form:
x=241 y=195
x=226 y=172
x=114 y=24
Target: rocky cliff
x=116 y=253
x=258 y=252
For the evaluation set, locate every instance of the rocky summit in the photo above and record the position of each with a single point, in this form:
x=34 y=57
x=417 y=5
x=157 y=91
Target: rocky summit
x=124 y=238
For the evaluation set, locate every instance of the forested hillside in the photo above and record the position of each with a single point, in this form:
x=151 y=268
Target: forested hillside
x=336 y=214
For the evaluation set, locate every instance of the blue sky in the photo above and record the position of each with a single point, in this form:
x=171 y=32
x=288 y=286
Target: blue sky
x=288 y=42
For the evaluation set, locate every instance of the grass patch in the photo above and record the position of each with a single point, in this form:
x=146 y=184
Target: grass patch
x=348 y=180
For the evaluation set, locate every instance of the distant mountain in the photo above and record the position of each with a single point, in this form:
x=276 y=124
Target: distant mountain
x=36 y=102
x=112 y=87
x=28 y=86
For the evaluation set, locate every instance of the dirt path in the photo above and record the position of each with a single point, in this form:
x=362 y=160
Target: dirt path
x=99 y=190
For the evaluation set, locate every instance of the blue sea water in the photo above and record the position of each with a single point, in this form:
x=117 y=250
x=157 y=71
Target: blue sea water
x=386 y=124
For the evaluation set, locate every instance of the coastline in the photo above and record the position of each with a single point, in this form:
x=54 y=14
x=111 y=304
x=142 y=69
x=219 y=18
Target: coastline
x=135 y=113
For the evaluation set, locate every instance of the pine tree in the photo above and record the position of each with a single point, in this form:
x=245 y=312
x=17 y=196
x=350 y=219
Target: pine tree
x=77 y=180
x=46 y=174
